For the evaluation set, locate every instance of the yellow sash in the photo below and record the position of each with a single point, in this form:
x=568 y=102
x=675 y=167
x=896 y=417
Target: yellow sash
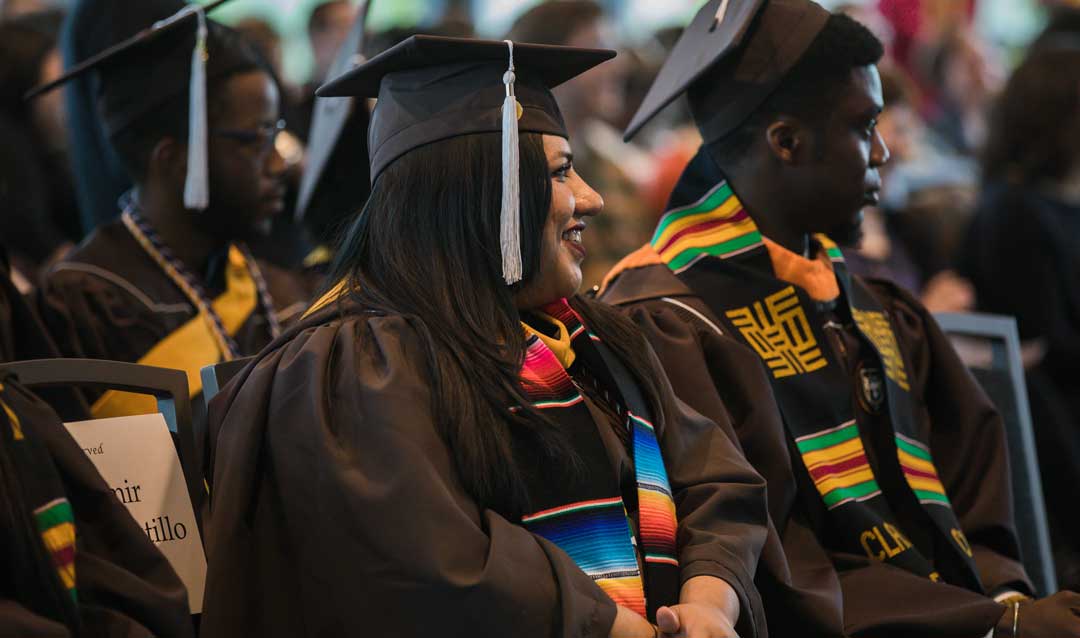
x=192 y=345
x=560 y=346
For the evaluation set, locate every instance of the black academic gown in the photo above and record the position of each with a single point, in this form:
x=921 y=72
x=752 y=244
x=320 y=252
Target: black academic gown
x=336 y=508
x=125 y=586
x=808 y=588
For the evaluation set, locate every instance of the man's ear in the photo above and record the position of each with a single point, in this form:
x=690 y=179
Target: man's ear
x=785 y=139
x=168 y=161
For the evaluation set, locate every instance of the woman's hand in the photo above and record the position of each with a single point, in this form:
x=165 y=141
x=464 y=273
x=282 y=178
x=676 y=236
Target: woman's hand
x=694 y=620
x=628 y=624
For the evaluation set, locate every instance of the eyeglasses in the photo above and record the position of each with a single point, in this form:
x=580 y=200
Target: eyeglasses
x=261 y=138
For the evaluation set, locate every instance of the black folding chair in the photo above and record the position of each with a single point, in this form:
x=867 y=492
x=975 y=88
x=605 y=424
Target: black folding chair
x=168 y=386
x=990 y=347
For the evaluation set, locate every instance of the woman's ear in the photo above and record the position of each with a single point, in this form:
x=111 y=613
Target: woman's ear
x=168 y=161
x=784 y=139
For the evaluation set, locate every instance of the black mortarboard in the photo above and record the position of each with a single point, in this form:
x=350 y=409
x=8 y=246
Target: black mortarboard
x=337 y=141
x=740 y=50
x=432 y=88
x=167 y=59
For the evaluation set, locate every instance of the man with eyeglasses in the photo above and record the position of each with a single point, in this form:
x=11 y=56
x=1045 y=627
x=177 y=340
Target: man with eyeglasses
x=170 y=283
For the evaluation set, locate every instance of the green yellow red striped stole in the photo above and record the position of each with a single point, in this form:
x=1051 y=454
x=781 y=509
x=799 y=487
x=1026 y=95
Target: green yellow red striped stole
x=43 y=527
x=919 y=471
x=837 y=464
x=716 y=225
x=597 y=533
x=56 y=524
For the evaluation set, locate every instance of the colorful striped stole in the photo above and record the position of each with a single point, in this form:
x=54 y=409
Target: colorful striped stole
x=837 y=463
x=56 y=524
x=716 y=225
x=47 y=512
x=597 y=533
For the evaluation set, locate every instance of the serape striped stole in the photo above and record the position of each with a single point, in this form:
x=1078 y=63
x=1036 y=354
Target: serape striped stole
x=591 y=521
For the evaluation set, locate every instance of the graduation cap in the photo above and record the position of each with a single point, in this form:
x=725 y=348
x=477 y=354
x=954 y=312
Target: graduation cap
x=335 y=119
x=740 y=50
x=432 y=88
x=168 y=58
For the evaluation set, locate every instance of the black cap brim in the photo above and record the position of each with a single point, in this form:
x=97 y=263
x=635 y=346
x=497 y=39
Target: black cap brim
x=551 y=65
x=141 y=38
x=735 y=62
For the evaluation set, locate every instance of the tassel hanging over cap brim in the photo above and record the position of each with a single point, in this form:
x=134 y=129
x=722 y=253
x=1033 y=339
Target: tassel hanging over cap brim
x=510 y=216
x=196 y=186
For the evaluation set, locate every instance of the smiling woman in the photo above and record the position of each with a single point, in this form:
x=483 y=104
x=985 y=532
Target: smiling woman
x=450 y=430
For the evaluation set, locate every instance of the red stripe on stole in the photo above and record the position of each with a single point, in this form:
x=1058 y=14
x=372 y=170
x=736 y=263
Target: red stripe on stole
x=704 y=226
x=827 y=469
x=64 y=556
x=624 y=596
x=656 y=519
x=542 y=372
x=921 y=473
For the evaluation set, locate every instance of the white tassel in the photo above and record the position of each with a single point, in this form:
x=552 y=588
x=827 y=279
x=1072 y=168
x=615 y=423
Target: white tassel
x=721 y=13
x=197 y=186
x=510 y=216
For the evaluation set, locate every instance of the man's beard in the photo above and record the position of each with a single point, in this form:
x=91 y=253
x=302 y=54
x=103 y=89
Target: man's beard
x=848 y=234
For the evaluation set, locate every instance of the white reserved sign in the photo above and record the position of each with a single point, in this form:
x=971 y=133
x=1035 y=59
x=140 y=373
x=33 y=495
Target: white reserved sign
x=137 y=459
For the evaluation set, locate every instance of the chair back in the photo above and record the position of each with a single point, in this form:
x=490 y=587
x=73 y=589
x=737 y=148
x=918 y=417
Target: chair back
x=168 y=386
x=216 y=376
x=990 y=347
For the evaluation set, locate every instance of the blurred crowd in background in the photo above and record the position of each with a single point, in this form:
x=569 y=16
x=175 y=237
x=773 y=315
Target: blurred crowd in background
x=981 y=201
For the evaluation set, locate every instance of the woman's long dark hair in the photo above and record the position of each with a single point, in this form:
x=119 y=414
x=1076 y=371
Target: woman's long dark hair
x=426 y=247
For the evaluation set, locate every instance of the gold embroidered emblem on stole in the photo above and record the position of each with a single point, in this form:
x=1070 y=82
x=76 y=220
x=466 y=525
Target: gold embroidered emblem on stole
x=777 y=329
x=876 y=327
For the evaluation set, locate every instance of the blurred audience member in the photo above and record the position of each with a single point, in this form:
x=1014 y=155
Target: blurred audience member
x=967 y=75
x=38 y=214
x=1023 y=255
x=327 y=28
x=593 y=105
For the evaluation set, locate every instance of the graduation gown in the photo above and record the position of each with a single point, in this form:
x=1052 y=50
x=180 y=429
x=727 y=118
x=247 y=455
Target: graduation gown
x=110 y=300
x=804 y=584
x=23 y=337
x=123 y=585
x=336 y=508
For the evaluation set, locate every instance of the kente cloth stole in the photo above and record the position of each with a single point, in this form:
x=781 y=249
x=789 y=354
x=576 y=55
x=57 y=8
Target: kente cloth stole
x=713 y=246
x=46 y=538
x=205 y=339
x=587 y=517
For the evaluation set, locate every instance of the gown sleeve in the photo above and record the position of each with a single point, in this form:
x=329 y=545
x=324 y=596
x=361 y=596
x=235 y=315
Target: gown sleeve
x=336 y=508
x=720 y=504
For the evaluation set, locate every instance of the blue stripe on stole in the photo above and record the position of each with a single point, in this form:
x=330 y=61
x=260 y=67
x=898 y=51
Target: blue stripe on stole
x=648 y=461
x=590 y=539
